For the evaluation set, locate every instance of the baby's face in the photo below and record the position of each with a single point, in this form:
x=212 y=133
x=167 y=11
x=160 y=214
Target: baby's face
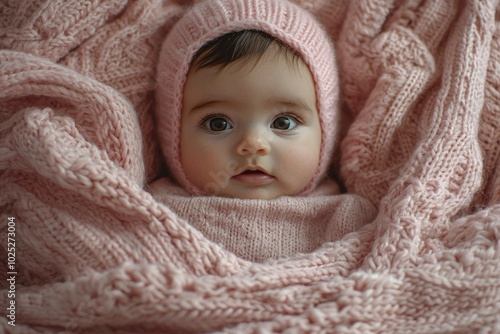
x=251 y=132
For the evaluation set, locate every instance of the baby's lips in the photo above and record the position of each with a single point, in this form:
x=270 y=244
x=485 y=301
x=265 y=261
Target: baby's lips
x=257 y=170
x=254 y=176
x=254 y=179
x=249 y=171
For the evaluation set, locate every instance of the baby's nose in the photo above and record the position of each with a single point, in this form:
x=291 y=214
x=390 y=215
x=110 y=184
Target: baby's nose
x=253 y=142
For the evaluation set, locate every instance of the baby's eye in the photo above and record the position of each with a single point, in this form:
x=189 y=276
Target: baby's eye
x=284 y=123
x=217 y=124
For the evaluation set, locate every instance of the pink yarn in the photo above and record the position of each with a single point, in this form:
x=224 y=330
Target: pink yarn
x=210 y=19
x=412 y=246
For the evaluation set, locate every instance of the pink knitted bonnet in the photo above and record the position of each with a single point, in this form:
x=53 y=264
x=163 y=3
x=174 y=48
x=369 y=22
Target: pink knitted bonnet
x=210 y=19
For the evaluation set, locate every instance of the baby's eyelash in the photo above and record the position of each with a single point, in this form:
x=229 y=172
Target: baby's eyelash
x=295 y=117
x=206 y=117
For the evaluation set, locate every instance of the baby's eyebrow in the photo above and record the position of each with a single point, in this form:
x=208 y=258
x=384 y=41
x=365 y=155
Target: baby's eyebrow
x=293 y=104
x=207 y=104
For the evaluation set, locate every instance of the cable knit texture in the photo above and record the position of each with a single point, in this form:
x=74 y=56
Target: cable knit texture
x=210 y=19
x=412 y=246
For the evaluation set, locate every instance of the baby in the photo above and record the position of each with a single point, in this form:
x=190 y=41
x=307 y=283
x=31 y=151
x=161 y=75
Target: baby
x=247 y=118
x=247 y=100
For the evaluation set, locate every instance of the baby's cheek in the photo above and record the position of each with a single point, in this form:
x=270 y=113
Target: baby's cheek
x=300 y=164
x=209 y=171
x=193 y=159
x=308 y=163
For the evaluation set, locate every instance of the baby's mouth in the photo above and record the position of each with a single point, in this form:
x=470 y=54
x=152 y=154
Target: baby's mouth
x=248 y=171
x=254 y=177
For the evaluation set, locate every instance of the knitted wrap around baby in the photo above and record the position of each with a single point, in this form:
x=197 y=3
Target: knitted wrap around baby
x=96 y=253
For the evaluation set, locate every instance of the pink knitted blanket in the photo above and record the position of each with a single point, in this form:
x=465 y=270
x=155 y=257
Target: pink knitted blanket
x=90 y=246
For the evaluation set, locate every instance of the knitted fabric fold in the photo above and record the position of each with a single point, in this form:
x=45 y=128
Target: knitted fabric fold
x=96 y=251
x=257 y=230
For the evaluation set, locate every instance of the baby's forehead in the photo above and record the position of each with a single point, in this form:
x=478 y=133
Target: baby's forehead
x=264 y=83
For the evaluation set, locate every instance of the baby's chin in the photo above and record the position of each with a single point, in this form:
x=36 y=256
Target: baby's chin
x=253 y=194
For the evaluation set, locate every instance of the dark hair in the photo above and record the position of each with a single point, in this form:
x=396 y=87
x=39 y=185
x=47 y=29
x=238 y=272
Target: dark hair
x=228 y=48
